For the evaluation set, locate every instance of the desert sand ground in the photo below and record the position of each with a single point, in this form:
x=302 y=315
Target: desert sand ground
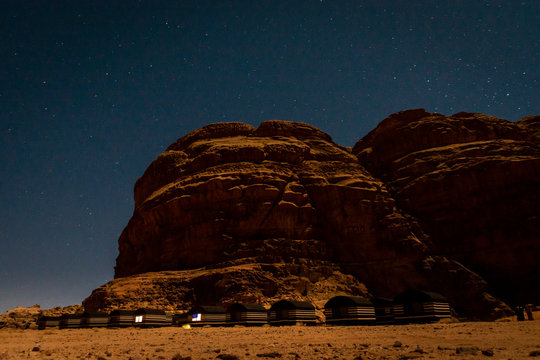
x=469 y=340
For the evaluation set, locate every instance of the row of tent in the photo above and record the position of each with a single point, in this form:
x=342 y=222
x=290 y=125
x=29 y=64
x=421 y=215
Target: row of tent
x=409 y=307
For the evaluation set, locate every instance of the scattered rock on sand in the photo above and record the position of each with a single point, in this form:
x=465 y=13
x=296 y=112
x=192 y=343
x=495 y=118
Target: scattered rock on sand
x=269 y=355
x=487 y=352
x=467 y=350
x=409 y=356
x=397 y=344
x=534 y=353
x=227 y=357
x=180 y=357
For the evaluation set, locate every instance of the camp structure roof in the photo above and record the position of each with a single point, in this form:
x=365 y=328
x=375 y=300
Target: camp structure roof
x=88 y=314
x=418 y=296
x=207 y=309
x=70 y=316
x=378 y=301
x=121 y=312
x=144 y=311
x=292 y=304
x=347 y=301
x=246 y=307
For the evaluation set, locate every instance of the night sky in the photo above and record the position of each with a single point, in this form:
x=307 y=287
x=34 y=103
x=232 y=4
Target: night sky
x=92 y=91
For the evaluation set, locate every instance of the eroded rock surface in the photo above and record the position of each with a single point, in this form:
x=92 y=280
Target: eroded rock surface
x=264 y=283
x=473 y=183
x=229 y=206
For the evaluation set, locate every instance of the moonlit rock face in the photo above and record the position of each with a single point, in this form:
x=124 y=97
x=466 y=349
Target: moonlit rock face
x=271 y=200
x=230 y=192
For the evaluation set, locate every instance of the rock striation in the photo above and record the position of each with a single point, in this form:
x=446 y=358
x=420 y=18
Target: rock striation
x=473 y=183
x=231 y=212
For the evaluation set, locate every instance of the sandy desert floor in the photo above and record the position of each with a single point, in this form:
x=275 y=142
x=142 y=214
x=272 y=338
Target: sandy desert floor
x=470 y=340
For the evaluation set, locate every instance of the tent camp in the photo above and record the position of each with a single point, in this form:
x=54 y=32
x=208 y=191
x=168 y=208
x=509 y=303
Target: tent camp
x=290 y=312
x=70 y=321
x=121 y=318
x=384 y=310
x=349 y=310
x=207 y=315
x=246 y=314
x=414 y=306
x=47 y=322
x=151 y=318
x=94 y=319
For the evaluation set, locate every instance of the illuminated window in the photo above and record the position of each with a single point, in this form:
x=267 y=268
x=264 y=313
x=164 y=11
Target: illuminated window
x=138 y=319
x=196 y=317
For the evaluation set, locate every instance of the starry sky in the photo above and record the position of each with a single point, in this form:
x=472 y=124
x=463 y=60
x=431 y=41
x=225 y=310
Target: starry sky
x=92 y=91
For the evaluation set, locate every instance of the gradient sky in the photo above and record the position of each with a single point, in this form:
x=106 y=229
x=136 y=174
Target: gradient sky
x=92 y=91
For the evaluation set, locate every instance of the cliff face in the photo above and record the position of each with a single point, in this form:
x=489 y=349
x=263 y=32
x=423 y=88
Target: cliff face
x=473 y=183
x=231 y=193
x=229 y=198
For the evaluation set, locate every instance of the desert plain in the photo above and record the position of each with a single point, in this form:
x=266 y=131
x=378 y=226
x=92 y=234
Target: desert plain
x=452 y=340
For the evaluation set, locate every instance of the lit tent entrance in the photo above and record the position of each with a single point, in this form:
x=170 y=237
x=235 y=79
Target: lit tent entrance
x=207 y=315
x=151 y=318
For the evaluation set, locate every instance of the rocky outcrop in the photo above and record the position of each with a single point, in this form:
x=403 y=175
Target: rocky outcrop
x=264 y=283
x=277 y=193
x=473 y=183
x=26 y=317
x=228 y=212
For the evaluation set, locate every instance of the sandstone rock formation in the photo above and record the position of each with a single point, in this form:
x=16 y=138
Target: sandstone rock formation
x=26 y=317
x=263 y=283
x=473 y=183
x=232 y=212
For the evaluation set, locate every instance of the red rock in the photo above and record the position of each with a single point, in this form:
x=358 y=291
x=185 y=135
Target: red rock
x=230 y=212
x=473 y=183
x=250 y=282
